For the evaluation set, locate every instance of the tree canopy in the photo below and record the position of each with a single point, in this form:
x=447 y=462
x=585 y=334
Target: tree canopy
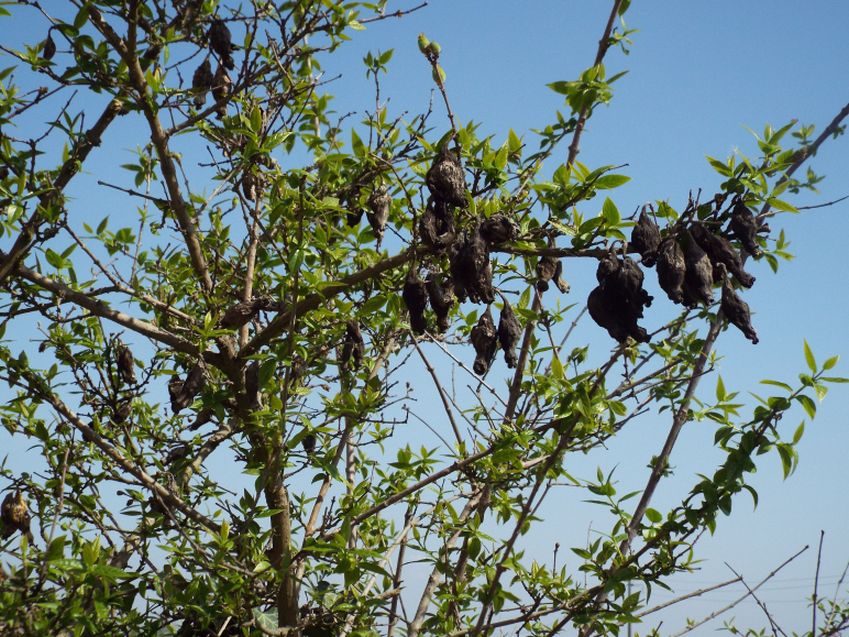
x=213 y=381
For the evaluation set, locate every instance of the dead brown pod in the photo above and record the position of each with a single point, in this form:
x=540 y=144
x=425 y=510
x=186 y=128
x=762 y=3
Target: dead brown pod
x=379 y=203
x=559 y=281
x=126 y=365
x=415 y=298
x=698 y=277
x=509 y=331
x=471 y=270
x=183 y=393
x=221 y=42
x=353 y=346
x=308 y=443
x=671 y=268
x=441 y=295
x=745 y=228
x=122 y=412
x=14 y=514
x=436 y=225
x=445 y=178
x=221 y=91
x=252 y=384
x=546 y=268
x=645 y=238
x=485 y=341
x=202 y=82
x=252 y=183
x=499 y=229
x=48 y=48
x=736 y=310
x=720 y=250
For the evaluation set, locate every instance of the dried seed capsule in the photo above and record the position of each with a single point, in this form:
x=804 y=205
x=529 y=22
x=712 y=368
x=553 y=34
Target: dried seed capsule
x=126 y=365
x=698 y=278
x=353 y=346
x=498 y=229
x=379 y=203
x=183 y=393
x=720 y=250
x=15 y=514
x=471 y=270
x=441 y=298
x=308 y=443
x=202 y=82
x=415 y=298
x=436 y=226
x=617 y=303
x=645 y=238
x=736 y=310
x=671 y=268
x=48 y=49
x=445 y=178
x=559 y=281
x=122 y=412
x=485 y=341
x=605 y=315
x=220 y=41
x=252 y=185
x=546 y=268
x=252 y=384
x=745 y=228
x=509 y=331
x=221 y=91
x=175 y=393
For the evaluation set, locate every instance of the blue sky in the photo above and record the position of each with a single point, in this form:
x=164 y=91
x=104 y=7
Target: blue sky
x=699 y=75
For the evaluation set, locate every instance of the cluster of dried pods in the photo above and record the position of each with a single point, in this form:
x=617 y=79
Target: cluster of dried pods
x=690 y=258
x=203 y=80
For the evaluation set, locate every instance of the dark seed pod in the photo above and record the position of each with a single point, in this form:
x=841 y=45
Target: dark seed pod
x=745 y=228
x=605 y=315
x=122 y=412
x=379 y=203
x=559 y=281
x=645 y=238
x=354 y=215
x=608 y=266
x=252 y=384
x=471 y=270
x=499 y=229
x=353 y=347
x=15 y=514
x=441 y=296
x=221 y=91
x=720 y=250
x=445 y=178
x=629 y=280
x=220 y=41
x=485 y=341
x=698 y=279
x=195 y=381
x=736 y=310
x=202 y=82
x=308 y=443
x=175 y=393
x=126 y=365
x=48 y=49
x=509 y=331
x=415 y=298
x=183 y=393
x=671 y=268
x=252 y=184
x=546 y=268
x=436 y=226
x=617 y=303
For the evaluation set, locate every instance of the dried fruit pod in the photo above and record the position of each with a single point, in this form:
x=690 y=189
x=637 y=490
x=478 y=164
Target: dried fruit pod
x=122 y=412
x=308 y=443
x=745 y=228
x=698 y=278
x=671 y=268
x=14 y=514
x=252 y=184
x=175 y=393
x=499 y=229
x=48 y=48
x=485 y=341
x=436 y=226
x=629 y=283
x=617 y=303
x=353 y=347
x=736 y=310
x=415 y=298
x=471 y=270
x=441 y=296
x=183 y=393
x=202 y=82
x=126 y=365
x=220 y=91
x=379 y=203
x=252 y=384
x=509 y=331
x=559 y=281
x=445 y=178
x=546 y=269
x=221 y=42
x=645 y=238
x=720 y=250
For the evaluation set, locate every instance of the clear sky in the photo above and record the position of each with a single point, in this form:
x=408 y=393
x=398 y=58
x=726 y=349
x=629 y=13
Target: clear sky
x=699 y=75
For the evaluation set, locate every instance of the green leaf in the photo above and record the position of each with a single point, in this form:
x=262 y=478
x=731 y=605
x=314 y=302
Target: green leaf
x=357 y=144
x=610 y=212
x=808 y=404
x=809 y=358
x=831 y=362
x=606 y=182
